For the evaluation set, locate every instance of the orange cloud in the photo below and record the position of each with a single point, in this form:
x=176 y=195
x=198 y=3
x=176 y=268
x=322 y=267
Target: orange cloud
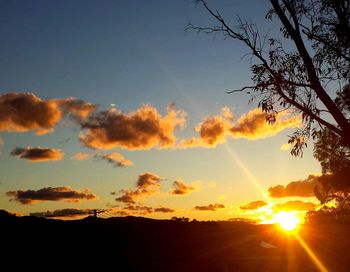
x=214 y=130
x=50 y=194
x=115 y=158
x=253 y=125
x=253 y=205
x=210 y=207
x=38 y=154
x=147 y=184
x=295 y=205
x=301 y=188
x=142 y=129
x=21 y=112
x=181 y=188
x=80 y=156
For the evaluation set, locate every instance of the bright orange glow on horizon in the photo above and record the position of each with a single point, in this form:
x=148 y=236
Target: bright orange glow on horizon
x=288 y=221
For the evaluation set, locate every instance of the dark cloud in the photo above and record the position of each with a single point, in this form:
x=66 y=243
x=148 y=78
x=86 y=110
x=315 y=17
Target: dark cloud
x=139 y=130
x=295 y=205
x=164 y=210
x=116 y=159
x=301 y=188
x=134 y=209
x=210 y=207
x=181 y=188
x=215 y=129
x=50 y=194
x=147 y=184
x=64 y=213
x=20 y=112
x=38 y=154
x=253 y=205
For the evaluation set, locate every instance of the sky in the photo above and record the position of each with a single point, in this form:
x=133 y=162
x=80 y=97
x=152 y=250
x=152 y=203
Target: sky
x=113 y=105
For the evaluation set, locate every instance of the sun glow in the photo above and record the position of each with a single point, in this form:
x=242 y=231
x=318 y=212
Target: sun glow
x=288 y=221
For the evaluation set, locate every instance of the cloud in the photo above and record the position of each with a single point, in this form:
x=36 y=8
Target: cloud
x=147 y=184
x=212 y=131
x=285 y=147
x=210 y=207
x=50 y=194
x=296 y=205
x=64 y=213
x=181 y=188
x=253 y=125
x=253 y=205
x=164 y=210
x=21 y=112
x=38 y=154
x=115 y=158
x=132 y=209
x=301 y=188
x=80 y=156
x=142 y=129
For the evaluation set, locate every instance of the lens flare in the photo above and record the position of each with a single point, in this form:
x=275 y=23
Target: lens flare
x=288 y=221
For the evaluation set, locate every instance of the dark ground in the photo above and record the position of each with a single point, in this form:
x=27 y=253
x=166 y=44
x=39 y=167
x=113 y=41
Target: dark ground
x=140 y=244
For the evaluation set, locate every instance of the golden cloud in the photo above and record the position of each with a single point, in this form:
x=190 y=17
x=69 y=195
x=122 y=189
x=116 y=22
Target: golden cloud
x=301 y=188
x=142 y=129
x=253 y=125
x=295 y=205
x=253 y=205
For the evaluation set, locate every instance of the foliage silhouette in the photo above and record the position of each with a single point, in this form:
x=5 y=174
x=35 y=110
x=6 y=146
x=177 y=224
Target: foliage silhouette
x=296 y=80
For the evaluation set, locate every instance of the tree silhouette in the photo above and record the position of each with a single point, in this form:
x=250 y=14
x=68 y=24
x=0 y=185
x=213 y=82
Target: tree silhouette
x=334 y=156
x=296 y=80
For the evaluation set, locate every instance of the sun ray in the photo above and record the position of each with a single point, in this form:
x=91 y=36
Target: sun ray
x=311 y=254
x=246 y=171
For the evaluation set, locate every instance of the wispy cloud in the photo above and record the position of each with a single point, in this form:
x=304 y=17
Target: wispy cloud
x=80 y=156
x=115 y=158
x=253 y=205
x=210 y=207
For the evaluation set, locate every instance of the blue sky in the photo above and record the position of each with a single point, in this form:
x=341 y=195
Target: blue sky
x=129 y=53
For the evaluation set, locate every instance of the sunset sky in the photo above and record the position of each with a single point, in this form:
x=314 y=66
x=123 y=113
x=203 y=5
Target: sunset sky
x=112 y=105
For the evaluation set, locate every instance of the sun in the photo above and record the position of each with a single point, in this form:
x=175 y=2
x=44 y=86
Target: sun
x=288 y=221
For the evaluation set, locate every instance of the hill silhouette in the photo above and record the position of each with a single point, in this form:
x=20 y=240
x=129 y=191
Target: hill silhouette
x=143 y=244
